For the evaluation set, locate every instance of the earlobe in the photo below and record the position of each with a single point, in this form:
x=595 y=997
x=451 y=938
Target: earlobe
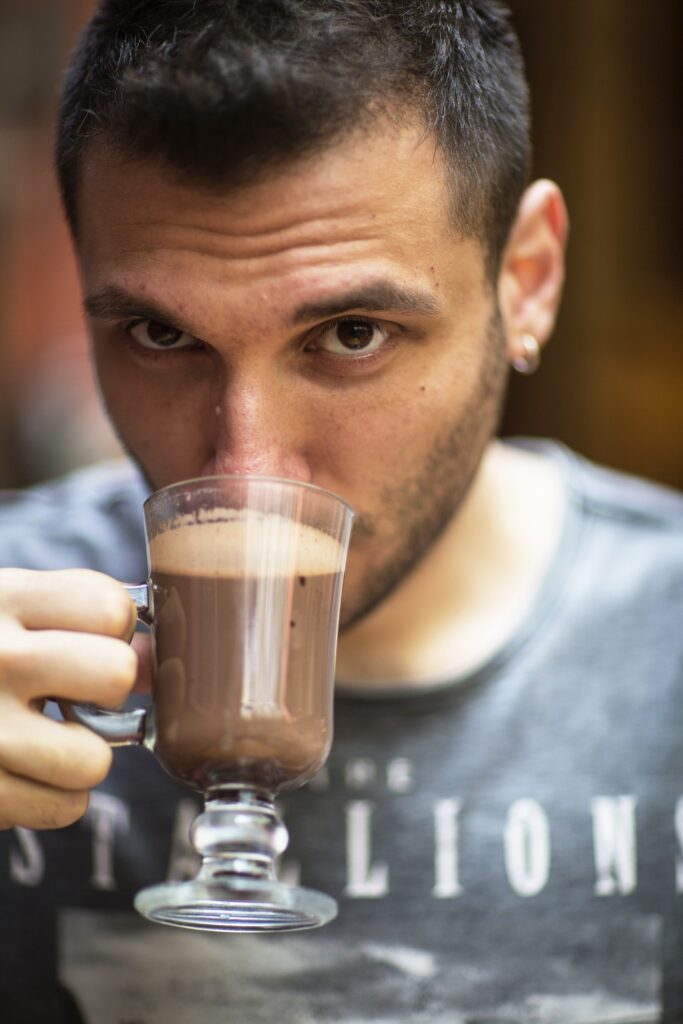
x=532 y=272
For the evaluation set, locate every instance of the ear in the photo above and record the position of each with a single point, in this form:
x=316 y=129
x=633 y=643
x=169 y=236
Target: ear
x=532 y=268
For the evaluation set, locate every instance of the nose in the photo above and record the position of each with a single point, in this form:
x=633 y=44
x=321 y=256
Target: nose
x=258 y=430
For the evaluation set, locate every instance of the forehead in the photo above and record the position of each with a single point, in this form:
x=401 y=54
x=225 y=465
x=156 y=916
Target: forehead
x=378 y=197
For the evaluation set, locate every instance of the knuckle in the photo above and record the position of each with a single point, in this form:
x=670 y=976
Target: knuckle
x=13 y=654
x=97 y=765
x=42 y=809
x=95 y=761
x=122 y=668
x=64 y=809
x=108 y=599
x=115 y=610
x=81 y=760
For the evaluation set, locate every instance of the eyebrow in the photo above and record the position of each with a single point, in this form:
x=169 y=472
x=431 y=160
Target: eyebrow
x=374 y=297
x=113 y=302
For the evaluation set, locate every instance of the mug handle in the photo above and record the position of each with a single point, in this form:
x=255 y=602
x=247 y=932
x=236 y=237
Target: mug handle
x=118 y=728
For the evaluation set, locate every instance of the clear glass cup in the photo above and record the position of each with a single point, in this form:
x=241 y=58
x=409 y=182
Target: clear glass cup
x=243 y=602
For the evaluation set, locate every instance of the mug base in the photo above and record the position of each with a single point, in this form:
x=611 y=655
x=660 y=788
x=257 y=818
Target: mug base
x=237 y=905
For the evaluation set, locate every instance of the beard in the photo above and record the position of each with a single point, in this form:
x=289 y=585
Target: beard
x=416 y=510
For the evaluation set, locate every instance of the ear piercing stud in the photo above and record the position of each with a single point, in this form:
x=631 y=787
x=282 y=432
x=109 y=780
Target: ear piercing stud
x=529 y=359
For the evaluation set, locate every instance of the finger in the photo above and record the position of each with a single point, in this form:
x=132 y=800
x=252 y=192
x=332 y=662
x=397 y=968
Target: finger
x=67 y=599
x=75 y=666
x=34 y=805
x=61 y=754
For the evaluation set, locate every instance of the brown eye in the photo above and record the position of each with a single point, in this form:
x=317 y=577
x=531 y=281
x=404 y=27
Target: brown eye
x=355 y=334
x=348 y=336
x=155 y=335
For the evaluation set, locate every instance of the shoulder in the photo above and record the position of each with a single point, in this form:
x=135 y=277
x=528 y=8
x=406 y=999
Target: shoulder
x=622 y=542
x=100 y=487
x=634 y=537
x=90 y=518
x=628 y=502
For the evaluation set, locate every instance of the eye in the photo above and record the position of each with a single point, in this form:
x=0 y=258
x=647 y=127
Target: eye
x=344 y=337
x=152 y=334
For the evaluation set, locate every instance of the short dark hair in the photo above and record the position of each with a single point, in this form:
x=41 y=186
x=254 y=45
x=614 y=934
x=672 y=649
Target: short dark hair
x=221 y=90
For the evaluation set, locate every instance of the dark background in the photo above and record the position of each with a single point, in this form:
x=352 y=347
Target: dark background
x=605 y=78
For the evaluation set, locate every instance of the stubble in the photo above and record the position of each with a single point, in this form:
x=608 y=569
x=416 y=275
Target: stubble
x=417 y=509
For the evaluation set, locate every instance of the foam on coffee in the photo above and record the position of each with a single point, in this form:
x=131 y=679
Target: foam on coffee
x=232 y=542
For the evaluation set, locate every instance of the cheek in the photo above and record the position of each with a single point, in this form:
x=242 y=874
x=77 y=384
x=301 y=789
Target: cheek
x=369 y=444
x=119 y=388
x=165 y=426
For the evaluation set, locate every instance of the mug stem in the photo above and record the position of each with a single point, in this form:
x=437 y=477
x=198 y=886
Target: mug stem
x=239 y=833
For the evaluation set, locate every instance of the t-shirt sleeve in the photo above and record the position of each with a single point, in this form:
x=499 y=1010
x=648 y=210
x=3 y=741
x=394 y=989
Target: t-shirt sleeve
x=89 y=519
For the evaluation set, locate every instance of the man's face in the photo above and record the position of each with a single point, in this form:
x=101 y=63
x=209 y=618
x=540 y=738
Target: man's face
x=325 y=324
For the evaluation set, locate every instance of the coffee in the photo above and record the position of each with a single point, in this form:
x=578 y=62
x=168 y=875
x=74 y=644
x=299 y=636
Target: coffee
x=243 y=648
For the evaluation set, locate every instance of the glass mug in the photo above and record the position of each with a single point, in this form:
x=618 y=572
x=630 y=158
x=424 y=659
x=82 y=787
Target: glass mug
x=243 y=601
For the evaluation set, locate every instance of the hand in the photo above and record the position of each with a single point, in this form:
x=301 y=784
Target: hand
x=65 y=635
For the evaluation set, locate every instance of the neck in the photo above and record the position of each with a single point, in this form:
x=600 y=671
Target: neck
x=470 y=592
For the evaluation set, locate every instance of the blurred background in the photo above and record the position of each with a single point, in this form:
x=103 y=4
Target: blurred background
x=605 y=78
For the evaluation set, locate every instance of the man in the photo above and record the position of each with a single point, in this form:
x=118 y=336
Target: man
x=308 y=249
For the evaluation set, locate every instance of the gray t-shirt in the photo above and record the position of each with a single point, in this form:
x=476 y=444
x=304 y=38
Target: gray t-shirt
x=504 y=848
